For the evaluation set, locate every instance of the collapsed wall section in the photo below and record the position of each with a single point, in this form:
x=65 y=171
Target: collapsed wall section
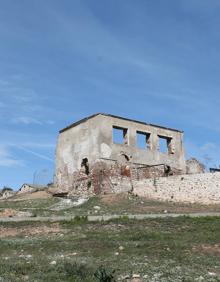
x=111 y=177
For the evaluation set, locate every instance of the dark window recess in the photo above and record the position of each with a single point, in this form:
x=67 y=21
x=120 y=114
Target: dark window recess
x=165 y=145
x=85 y=164
x=123 y=158
x=126 y=157
x=120 y=135
x=143 y=140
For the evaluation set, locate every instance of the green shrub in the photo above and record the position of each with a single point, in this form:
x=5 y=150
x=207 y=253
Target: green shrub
x=75 y=270
x=103 y=276
x=80 y=219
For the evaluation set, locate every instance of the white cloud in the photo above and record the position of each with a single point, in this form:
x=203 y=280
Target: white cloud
x=7 y=160
x=37 y=145
x=30 y=120
x=50 y=122
x=26 y=120
x=23 y=103
x=38 y=155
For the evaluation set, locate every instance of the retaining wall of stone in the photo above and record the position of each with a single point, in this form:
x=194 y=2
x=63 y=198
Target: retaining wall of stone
x=197 y=188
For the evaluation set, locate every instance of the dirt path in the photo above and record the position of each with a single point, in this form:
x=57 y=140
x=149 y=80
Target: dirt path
x=92 y=218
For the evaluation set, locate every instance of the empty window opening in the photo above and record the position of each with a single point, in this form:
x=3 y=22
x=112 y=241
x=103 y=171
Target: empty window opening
x=165 y=145
x=143 y=140
x=120 y=135
x=85 y=165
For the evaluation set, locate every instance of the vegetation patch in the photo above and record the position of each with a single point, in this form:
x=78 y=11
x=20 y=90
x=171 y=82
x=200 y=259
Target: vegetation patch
x=173 y=249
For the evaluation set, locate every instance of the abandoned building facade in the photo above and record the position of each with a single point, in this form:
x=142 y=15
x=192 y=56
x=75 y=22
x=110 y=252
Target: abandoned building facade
x=98 y=153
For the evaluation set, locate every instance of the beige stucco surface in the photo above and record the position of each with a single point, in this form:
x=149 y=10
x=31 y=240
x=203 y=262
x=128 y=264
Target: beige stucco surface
x=93 y=139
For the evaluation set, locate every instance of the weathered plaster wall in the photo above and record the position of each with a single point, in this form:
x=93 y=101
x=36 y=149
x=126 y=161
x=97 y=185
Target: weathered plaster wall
x=93 y=139
x=197 y=188
x=146 y=156
x=73 y=146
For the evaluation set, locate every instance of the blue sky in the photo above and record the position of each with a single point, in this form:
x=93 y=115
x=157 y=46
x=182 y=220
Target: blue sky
x=152 y=60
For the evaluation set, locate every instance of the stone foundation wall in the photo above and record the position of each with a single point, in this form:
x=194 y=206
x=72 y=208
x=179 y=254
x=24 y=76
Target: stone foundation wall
x=149 y=182
x=198 y=188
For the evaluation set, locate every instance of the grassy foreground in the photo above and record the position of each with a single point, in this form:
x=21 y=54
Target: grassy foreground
x=177 y=249
x=121 y=204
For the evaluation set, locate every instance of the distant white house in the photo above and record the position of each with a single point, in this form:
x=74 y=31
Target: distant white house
x=6 y=193
x=30 y=188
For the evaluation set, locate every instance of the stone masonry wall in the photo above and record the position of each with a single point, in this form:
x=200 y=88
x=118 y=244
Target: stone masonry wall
x=198 y=188
x=108 y=177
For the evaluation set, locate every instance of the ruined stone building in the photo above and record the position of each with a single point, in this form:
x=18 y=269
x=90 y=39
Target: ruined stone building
x=105 y=153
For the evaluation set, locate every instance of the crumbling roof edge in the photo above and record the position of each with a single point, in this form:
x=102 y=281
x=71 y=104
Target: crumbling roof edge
x=114 y=116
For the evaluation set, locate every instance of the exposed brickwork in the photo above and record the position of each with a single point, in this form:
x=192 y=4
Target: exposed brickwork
x=109 y=177
x=150 y=182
